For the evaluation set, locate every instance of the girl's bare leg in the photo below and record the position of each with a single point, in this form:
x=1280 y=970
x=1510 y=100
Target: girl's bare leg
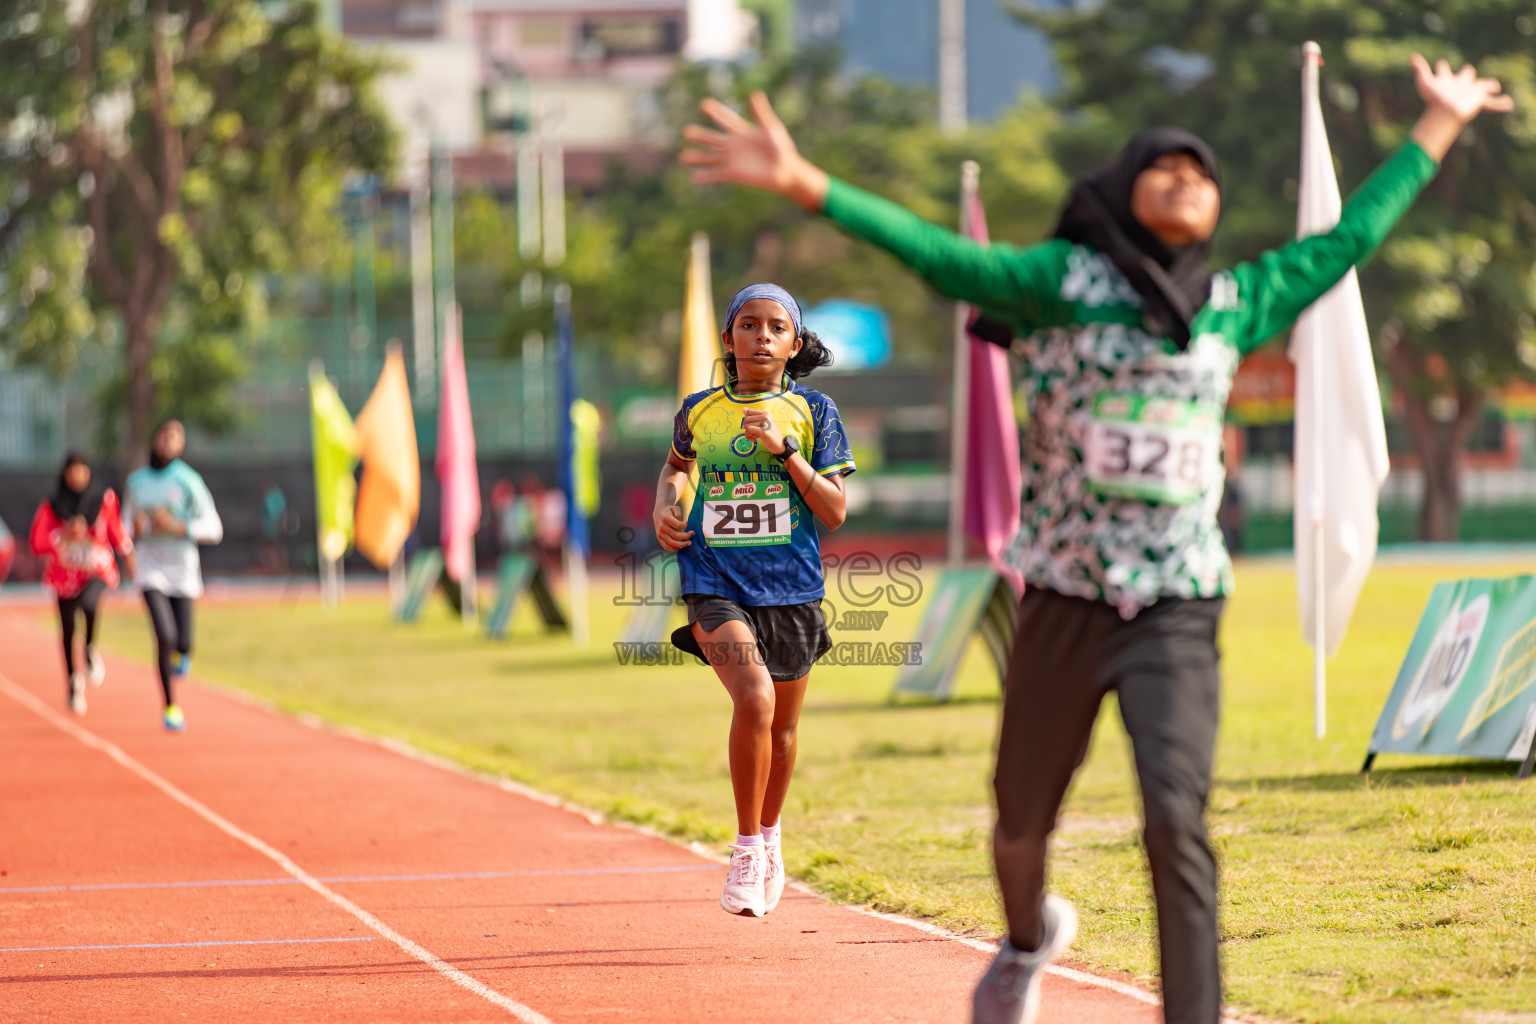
x=786 y=720
x=732 y=650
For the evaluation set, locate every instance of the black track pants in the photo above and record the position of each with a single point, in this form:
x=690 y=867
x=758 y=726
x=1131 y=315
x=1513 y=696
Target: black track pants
x=172 y=619
x=1067 y=654
x=83 y=603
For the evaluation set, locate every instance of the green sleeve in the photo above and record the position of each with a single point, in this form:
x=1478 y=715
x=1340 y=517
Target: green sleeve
x=1283 y=282
x=1022 y=283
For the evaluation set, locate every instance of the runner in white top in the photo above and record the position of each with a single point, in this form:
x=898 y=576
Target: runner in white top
x=170 y=513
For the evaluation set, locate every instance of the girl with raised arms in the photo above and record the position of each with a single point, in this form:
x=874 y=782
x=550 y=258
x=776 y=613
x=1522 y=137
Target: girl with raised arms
x=1130 y=342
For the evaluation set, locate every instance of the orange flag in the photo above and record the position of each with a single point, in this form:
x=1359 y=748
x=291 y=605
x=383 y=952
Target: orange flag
x=390 y=495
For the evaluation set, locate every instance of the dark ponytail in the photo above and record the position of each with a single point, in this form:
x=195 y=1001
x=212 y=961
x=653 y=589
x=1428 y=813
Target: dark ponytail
x=811 y=355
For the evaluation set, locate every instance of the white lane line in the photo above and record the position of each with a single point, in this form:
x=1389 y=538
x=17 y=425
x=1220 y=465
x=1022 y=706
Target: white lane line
x=116 y=753
x=170 y=945
x=1141 y=995
x=404 y=749
x=446 y=876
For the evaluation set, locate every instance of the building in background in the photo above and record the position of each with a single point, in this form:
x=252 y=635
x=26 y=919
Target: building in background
x=582 y=74
x=899 y=39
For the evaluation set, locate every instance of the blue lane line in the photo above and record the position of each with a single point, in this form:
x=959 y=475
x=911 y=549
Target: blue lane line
x=363 y=878
x=167 y=945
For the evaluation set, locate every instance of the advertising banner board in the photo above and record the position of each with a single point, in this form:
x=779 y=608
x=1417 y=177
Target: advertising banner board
x=653 y=609
x=1467 y=687
x=964 y=602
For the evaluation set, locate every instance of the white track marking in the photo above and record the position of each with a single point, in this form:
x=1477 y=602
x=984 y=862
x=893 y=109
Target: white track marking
x=1141 y=995
x=403 y=749
x=116 y=753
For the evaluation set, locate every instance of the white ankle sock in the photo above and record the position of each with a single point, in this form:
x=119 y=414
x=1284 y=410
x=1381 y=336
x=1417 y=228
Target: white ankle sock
x=771 y=833
x=742 y=840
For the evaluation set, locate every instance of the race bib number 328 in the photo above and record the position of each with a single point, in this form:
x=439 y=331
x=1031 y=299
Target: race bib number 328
x=746 y=514
x=1156 y=449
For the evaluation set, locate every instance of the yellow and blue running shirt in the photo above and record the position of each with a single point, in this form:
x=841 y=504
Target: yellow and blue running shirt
x=754 y=537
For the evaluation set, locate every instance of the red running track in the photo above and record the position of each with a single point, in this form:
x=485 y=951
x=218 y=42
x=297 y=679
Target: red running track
x=258 y=869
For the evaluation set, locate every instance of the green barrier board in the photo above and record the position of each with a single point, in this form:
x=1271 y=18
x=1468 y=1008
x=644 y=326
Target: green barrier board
x=1466 y=685
x=420 y=577
x=651 y=618
x=521 y=574
x=963 y=603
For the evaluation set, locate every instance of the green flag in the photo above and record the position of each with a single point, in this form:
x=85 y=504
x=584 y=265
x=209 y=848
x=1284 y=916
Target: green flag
x=335 y=489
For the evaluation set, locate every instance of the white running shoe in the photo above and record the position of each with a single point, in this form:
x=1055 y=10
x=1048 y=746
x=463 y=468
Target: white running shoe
x=77 y=693
x=98 y=667
x=1009 y=993
x=744 y=884
x=773 y=877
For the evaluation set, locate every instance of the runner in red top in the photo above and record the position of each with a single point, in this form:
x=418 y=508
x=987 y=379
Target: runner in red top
x=79 y=531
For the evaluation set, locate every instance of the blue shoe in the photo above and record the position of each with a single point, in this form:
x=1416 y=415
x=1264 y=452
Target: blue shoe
x=182 y=666
x=175 y=721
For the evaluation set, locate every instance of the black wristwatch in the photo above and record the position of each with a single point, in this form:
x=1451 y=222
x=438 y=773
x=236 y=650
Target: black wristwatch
x=791 y=446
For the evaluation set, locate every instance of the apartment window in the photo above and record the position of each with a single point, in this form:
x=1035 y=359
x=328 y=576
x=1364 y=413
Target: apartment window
x=633 y=37
x=542 y=33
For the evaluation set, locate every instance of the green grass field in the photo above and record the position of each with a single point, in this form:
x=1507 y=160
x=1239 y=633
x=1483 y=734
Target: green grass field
x=1406 y=896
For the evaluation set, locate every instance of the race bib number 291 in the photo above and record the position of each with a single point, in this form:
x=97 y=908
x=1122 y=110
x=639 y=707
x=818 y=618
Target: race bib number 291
x=746 y=514
x=1156 y=449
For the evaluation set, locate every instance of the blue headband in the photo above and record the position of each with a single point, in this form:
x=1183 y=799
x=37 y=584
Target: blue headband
x=764 y=291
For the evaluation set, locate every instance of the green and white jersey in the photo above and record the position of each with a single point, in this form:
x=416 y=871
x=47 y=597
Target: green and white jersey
x=1123 y=465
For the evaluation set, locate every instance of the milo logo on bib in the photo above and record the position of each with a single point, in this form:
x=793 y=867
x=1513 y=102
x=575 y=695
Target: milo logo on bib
x=754 y=514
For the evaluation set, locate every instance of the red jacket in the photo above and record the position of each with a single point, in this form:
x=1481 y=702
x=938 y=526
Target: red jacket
x=73 y=564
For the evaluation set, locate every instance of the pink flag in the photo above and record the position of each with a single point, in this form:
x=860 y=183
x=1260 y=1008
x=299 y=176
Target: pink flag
x=992 y=475
x=456 y=470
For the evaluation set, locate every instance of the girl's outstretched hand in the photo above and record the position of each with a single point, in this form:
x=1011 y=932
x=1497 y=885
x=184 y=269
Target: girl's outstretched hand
x=1452 y=99
x=758 y=155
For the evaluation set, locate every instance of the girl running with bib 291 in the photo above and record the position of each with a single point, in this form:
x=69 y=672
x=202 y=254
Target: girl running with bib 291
x=771 y=455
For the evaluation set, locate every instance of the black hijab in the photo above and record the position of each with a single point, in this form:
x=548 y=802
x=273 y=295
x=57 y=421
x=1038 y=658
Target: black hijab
x=1173 y=283
x=67 y=503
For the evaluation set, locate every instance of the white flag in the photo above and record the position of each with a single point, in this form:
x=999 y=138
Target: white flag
x=1341 y=441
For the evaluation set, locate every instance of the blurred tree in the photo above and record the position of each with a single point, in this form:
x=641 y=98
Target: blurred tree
x=1454 y=290
x=159 y=157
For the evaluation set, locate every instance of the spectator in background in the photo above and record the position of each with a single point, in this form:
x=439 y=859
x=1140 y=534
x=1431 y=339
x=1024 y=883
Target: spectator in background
x=1230 y=516
x=551 y=528
x=635 y=502
x=274 y=517
x=7 y=550
x=79 y=533
x=542 y=513
x=515 y=518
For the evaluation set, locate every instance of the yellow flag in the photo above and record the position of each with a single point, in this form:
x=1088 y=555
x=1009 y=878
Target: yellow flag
x=334 y=443
x=699 y=365
x=390 y=494
x=586 y=478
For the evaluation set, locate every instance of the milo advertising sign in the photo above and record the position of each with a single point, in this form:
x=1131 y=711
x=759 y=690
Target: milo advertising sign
x=1468 y=684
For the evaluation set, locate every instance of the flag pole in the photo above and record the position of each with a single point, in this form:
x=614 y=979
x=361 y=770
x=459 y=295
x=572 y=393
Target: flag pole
x=397 y=582
x=1314 y=57
x=970 y=180
x=327 y=570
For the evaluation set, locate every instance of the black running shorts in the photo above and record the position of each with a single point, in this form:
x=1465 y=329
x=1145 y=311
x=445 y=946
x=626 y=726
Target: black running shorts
x=790 y=637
